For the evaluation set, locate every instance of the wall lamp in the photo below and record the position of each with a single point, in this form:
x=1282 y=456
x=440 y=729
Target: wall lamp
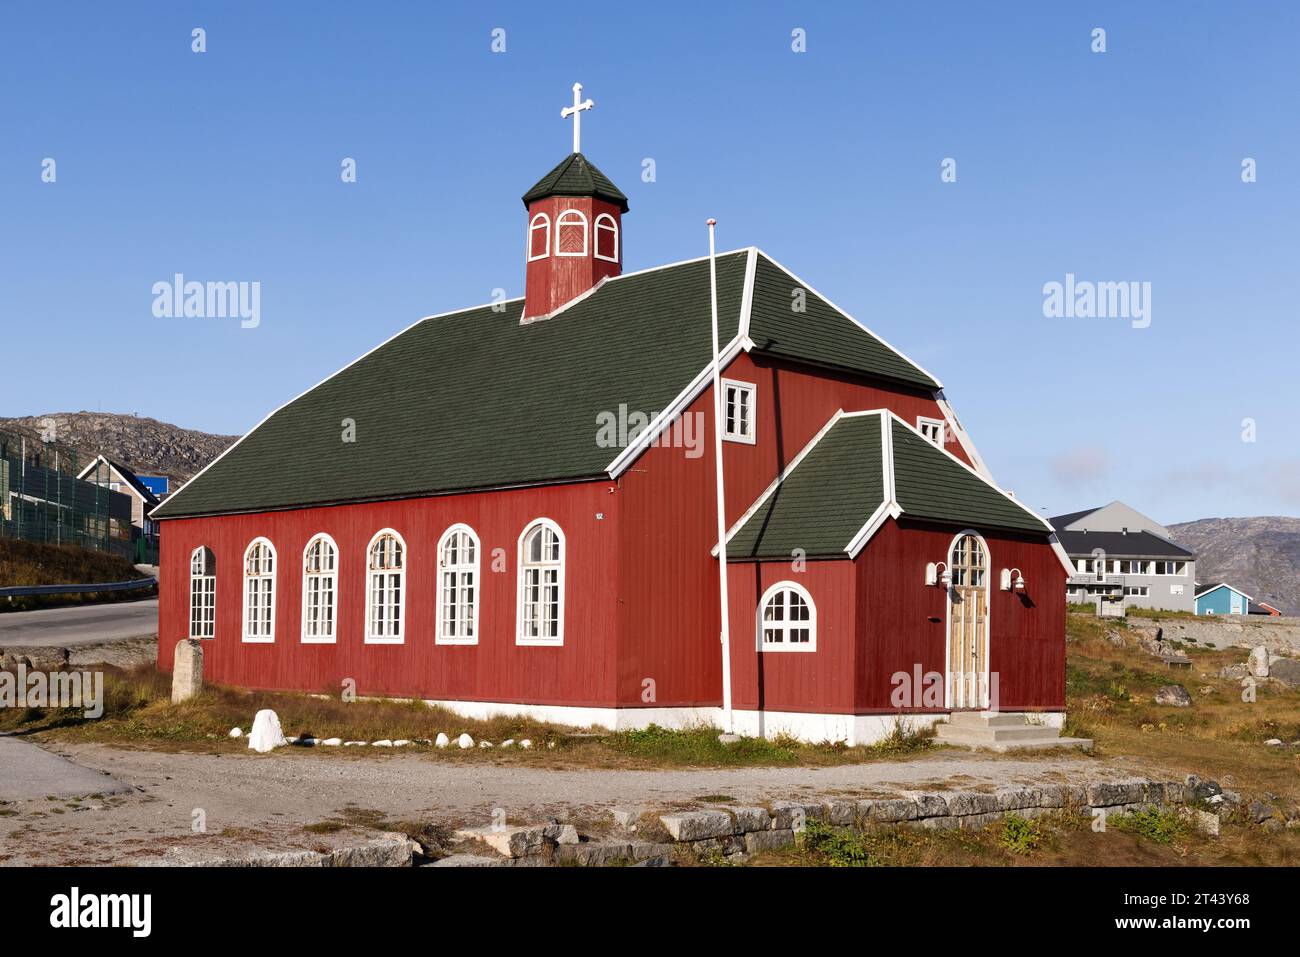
x=1012 y=577
x=935 y=577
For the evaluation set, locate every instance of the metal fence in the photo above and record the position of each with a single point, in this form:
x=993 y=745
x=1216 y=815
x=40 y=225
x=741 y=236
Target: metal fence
x=42 y=500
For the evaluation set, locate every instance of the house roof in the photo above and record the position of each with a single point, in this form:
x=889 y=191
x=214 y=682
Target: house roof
x=575 y=175
x=1207 y=587
x=862 y=466
x=128 y=476
x=1059 y=522
x=1120 y=544
x=474 y=399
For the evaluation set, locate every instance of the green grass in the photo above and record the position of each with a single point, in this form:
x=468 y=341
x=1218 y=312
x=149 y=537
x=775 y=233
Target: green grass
x=1021 y=835
x=1161 y=826
x=836 y=846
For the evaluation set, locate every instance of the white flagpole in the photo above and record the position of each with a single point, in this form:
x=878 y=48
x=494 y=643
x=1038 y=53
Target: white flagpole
x=728 y=718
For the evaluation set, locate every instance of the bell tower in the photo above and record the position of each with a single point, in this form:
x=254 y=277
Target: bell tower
x=574 y=235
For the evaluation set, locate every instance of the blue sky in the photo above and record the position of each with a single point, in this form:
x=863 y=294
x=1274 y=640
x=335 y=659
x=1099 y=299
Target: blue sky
x=1115 y=166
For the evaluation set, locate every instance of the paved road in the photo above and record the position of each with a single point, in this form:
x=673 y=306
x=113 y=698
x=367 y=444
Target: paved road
x=28 y=773
x=80 y=624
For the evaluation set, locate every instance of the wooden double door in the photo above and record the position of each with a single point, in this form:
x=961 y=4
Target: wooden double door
x=968 y=635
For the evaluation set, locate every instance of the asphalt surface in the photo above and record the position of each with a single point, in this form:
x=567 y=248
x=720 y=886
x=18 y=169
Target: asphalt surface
x=29 y=773
x=80 y=624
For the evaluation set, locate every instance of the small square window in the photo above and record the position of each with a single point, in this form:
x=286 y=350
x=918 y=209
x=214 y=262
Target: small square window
x=931 y=429
x=738 y=400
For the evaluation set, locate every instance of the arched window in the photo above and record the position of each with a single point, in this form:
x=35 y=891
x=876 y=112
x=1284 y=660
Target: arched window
x=571 y=234
x=787 y=619
x=541 y=584
x=259 y=591
x=458 y=563
x=385 y=589
x=320 y=590
x=539 y=237
x=203 y=593
x=606 y=238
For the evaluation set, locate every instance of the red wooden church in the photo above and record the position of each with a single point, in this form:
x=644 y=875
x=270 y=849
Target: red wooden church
x=511 y=509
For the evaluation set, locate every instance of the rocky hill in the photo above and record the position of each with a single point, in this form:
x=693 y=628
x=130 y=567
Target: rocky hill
x=1261 y=555
x=145 y=445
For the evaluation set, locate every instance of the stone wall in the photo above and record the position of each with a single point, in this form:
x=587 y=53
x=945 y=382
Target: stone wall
x=1276 y=634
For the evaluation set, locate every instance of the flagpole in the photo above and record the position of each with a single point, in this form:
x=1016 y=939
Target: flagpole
x=728 y=718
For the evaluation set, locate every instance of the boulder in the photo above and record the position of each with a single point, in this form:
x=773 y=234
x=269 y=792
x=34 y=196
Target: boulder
x=525 y=744
x=1286 y=671
x=236 y=732
x=1174 y=695
x=1257 y=663
x=464 y=742
x=1234 y=672
x=266 y=734
x=441 y=741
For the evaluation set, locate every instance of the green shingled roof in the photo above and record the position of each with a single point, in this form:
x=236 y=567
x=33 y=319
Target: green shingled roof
x=840 y=481
x=576 y=176
x=475 y=399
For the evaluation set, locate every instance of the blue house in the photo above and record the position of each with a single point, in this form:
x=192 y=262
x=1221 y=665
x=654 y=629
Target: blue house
x=1220 y=598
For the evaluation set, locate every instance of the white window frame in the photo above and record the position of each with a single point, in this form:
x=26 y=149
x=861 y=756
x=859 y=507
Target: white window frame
x=520 y=638
x=321 y=538
x=539 y=221
x=784 y=627
x=560 y=224
x=605 y=221
x=400 y=636
x=728 y=435
x=460 y=569
x=203 y=573
x=925 y=422
x=257 y=638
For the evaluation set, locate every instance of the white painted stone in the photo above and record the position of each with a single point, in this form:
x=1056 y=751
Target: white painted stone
x=485 y=744
x=332 y=742
x=382 y=743
x=526 y=744
x=355 y=744
x=442 y=740
x=1274 y=742
x=508 y=743
x=236 y=732
x=401 y=743
x=266 y=734
x=464 y=742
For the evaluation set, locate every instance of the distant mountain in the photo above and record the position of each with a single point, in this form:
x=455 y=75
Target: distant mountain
x=146 y=445
x=1261 y=556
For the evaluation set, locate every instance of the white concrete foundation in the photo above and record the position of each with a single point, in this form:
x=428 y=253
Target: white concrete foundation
x=851 y=729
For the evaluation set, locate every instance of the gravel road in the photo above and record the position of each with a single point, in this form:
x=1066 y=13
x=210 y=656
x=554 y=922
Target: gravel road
x=266 y=799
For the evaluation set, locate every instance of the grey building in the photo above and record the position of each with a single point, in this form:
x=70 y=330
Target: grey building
x=1123 y=559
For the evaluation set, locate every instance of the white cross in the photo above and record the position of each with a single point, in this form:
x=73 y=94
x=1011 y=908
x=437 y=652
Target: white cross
x=576 y=112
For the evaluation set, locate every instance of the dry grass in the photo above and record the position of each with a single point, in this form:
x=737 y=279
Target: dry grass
x=1110 y=693
x=138 y=712
x=1060 y=840
x=32 y=563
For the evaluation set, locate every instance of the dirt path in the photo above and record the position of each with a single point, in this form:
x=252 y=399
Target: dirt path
x=265 y=800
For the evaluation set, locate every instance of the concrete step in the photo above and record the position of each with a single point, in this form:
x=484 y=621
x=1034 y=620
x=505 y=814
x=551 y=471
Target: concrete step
x=986 y=719
x=1044 y=744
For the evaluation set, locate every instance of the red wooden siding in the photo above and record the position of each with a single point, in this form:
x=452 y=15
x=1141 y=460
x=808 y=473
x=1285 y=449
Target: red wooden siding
x=816 y=681
x=552 y=281
x=581 y=672
x=901 y=621
x=668 y=602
